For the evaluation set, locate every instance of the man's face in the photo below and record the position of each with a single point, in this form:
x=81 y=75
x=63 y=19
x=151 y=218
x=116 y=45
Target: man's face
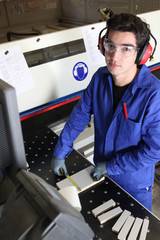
x=120 y=60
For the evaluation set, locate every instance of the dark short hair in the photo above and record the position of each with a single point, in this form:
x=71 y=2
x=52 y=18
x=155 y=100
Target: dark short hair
x=126 y=22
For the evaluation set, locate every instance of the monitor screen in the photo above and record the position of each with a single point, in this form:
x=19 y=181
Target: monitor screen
x=12 y=152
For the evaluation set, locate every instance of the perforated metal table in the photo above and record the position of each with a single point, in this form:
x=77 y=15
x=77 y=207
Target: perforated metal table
x=39 y=149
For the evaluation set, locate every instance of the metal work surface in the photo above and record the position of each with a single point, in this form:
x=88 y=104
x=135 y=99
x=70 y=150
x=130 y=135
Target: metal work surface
x=39 y=149
x=108 y=190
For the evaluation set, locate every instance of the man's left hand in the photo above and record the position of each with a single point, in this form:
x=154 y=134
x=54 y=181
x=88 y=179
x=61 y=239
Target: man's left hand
x=98 y=172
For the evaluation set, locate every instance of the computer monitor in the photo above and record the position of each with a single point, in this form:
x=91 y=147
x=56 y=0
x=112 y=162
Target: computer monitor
x=36 y=210
x=12 y=152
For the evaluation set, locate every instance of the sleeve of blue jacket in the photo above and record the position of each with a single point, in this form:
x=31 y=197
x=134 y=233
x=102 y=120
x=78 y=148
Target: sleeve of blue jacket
x=79 y=118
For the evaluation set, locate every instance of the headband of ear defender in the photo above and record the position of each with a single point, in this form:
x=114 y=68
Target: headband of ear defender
x=144 y=54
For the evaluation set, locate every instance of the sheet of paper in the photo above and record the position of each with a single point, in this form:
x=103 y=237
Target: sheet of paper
x=14 y=69
x=90 y=35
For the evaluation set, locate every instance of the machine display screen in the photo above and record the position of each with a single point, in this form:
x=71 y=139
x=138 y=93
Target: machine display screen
x=55 y=52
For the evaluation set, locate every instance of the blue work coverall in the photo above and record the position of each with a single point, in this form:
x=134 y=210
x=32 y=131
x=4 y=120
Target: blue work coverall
x=130 y=147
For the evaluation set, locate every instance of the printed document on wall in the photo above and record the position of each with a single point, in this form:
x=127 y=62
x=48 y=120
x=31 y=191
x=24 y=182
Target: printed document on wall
x=90 y=35
x=14 y=69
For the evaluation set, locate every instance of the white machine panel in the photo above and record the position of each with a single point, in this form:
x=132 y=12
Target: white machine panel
x=54 y=79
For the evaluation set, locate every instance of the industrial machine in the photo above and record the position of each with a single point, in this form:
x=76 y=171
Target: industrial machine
x=61 y=65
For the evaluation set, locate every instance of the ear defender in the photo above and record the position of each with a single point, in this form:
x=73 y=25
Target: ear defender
x=101 y=47
x=100 y=42
x=144 y=54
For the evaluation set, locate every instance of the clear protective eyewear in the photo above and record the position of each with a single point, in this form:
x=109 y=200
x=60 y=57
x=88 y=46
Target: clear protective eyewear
x=125 y=50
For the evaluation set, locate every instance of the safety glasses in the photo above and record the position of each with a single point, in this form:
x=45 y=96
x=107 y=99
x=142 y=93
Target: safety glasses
x=125 y=50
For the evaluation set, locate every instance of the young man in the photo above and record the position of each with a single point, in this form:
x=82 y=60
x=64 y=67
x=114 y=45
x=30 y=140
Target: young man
x=124 y=98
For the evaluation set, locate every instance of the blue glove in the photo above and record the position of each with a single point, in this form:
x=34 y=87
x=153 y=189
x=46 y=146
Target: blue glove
x=57 y=164
x=98 y=172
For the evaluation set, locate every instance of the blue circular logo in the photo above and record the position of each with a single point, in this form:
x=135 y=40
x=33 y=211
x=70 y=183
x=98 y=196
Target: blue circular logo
x=80 y=71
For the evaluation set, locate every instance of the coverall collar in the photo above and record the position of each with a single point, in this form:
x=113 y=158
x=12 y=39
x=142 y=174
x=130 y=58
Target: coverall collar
x=140 y=81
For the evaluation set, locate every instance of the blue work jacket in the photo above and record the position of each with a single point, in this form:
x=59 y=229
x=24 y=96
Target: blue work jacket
x=130 y=146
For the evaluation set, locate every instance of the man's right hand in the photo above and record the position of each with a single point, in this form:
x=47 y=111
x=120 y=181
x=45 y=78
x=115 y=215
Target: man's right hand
x=57 y=164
